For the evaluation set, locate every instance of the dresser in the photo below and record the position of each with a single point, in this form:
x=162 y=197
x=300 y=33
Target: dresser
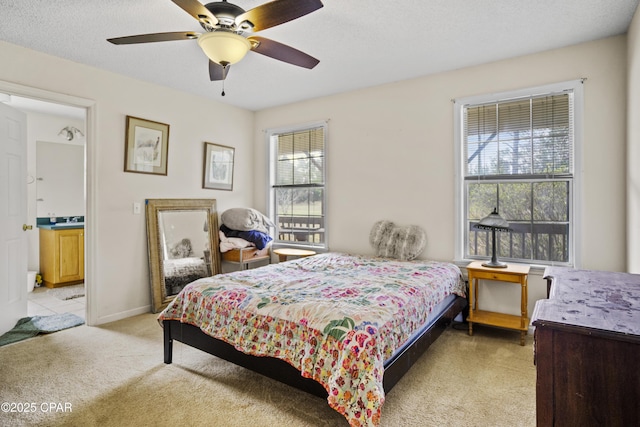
x=587 y=349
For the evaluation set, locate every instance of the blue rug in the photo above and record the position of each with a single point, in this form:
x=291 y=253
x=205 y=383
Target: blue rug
x=28 y=327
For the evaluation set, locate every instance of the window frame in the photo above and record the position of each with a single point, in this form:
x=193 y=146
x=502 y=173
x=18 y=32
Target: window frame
x=271 y=175
x=574 y=86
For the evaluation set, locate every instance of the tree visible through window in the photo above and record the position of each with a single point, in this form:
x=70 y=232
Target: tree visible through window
x=518 y=156
x=297 y=190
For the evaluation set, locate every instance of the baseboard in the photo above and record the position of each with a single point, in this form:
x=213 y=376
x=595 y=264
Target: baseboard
x=122 y=315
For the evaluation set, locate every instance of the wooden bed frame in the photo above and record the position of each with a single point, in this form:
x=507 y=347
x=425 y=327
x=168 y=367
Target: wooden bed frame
x=277 y=369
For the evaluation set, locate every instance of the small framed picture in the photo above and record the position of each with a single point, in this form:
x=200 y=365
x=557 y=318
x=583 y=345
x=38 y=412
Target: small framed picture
x=218 y=167
x=146 y=146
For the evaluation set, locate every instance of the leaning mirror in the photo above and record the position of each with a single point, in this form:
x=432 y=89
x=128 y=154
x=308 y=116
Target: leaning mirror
x=183 y=243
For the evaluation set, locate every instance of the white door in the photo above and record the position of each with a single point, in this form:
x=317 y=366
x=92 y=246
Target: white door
x=13 y=215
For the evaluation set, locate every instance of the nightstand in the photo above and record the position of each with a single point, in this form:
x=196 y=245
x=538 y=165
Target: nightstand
x=284 y=253
x=246 y=256
x=513 y=273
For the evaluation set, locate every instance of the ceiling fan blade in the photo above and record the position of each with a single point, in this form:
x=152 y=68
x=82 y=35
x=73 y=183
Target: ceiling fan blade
x=217 y=71
x=197 y=10
x=154 y=37
x=282 y=52
x=277 y=12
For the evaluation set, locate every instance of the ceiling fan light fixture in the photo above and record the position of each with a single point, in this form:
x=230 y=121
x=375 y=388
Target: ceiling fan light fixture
x=224 y=47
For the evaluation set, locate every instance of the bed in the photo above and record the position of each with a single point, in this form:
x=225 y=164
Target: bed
x=344 y=327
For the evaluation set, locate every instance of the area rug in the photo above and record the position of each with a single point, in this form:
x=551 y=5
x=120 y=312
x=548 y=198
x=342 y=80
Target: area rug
x=67 y=292
x=28 y=327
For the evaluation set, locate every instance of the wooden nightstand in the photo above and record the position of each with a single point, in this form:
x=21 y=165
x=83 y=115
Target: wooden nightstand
x=246 y=256
x=283 y=253
x=513 y=273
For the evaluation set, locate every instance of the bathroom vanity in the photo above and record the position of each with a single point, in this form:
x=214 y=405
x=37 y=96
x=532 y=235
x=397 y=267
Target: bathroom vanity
x=62 y=254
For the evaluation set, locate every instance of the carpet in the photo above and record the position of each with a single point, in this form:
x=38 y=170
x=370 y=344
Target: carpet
x=28 y=327
x=67 y=292
x=113 y=376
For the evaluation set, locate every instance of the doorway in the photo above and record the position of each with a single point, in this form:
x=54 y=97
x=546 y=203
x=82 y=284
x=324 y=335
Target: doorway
x=55 y=194
x=45 y=110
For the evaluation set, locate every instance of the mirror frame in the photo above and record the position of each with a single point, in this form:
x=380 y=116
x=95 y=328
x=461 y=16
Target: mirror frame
x=159 y=297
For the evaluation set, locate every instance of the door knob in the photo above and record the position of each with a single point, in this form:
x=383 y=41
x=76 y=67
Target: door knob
x=26 y=227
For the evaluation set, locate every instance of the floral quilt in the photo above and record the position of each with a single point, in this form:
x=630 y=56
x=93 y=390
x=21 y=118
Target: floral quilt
x=334 y=317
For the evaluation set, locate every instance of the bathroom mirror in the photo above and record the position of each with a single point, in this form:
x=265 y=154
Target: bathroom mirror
x=183 y=242
x=59 y=179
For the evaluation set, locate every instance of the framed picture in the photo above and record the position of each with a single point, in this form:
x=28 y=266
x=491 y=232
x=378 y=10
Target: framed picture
x=218 y=167
x=146 y=146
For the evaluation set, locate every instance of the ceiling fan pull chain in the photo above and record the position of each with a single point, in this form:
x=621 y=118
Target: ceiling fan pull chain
x=222 y=88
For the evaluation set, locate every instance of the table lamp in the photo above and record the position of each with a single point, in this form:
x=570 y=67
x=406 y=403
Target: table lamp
x=493 y=222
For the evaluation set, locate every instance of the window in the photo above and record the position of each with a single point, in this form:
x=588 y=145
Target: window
x=297 y=196
x=518 y=154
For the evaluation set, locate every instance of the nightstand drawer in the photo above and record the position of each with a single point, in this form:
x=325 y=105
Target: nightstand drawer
x=490 y=275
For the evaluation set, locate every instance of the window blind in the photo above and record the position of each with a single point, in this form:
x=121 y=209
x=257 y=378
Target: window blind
x=300 y=158
x=525 y=138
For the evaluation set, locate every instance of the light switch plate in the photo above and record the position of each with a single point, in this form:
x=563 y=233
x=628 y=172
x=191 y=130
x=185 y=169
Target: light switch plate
x=137 y=208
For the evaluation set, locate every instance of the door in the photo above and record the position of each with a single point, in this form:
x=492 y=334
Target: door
x=13 y=215
x=71 y=263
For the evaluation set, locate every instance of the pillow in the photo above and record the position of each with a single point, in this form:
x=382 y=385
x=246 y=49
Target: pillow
x=246 y=219
x=391 y=241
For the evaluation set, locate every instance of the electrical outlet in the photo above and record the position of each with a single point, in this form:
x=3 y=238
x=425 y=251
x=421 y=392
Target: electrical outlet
x=137 y=208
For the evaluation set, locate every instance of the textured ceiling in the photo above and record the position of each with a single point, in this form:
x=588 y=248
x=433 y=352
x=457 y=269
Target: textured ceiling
x=359 y=43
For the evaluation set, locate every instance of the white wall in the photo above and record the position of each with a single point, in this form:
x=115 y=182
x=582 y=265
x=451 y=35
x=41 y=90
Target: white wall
x=119 y=286
x=633 y=147
x=391 y=151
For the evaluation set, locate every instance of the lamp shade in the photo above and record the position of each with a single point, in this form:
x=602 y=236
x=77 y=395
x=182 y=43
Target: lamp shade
x=224 y=47
x=493 y=221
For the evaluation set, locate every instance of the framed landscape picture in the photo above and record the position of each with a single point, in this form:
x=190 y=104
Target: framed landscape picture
x=146 y=146
x=218 y=167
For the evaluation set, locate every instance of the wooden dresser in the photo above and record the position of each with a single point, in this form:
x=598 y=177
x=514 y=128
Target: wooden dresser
x=587 y=349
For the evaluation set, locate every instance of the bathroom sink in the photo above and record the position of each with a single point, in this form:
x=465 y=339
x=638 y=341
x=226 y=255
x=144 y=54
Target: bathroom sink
x=68 y=224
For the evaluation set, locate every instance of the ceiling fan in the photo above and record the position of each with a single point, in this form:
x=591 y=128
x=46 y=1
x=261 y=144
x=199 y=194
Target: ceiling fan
x=225 y=24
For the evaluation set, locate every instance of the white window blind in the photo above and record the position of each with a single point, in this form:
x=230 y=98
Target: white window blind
x=525 y=137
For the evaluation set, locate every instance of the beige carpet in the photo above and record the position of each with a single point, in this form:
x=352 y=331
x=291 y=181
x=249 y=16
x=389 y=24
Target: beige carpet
x=113 y=375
